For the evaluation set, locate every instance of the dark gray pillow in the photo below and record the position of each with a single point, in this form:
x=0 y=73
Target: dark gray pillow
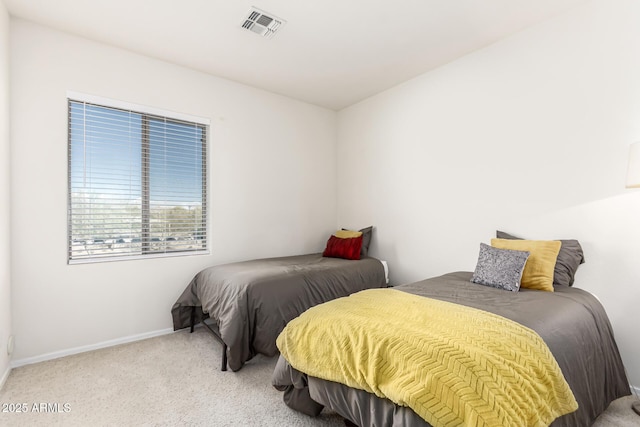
x=569 y=259
x=366 y=240
x=500 y=268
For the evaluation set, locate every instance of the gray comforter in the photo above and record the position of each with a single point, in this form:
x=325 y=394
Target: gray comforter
x=571 y=321
x=252 y=301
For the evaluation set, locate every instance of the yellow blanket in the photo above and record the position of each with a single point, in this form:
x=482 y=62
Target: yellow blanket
x=453 y=365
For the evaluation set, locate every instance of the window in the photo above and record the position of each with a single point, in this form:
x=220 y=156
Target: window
x=137 y=183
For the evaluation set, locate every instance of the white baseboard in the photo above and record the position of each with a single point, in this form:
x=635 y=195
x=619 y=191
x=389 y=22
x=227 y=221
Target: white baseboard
x=635 y=390
x=4 y=377
x=84 y=348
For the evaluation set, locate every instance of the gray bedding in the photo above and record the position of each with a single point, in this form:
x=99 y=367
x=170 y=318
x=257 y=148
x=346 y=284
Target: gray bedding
x=252 y=301
x=571 y=321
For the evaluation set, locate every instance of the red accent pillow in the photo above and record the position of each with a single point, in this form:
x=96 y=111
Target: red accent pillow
x=343 y=248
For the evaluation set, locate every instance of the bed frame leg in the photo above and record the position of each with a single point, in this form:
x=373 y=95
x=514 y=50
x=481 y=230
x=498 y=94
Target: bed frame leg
x=193 y=318
x=224 y=357
x=216 y=334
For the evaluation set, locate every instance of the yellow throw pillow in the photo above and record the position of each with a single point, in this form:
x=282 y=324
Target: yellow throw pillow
x=347 y=234
x=538 y=271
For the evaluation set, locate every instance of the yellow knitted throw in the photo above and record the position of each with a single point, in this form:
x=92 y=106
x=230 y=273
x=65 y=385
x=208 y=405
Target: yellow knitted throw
x=453 y=365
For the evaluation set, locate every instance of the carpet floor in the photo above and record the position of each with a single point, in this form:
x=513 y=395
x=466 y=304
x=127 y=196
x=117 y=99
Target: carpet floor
x=172 y=380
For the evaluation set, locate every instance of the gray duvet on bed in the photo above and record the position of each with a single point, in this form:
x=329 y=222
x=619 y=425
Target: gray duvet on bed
x=252 y=301
x=571 y=321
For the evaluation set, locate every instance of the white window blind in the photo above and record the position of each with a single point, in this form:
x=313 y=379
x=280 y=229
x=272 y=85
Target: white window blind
x=137 y=184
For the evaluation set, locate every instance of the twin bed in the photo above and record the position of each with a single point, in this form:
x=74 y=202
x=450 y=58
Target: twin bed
x=247 y=305
x=571 y=322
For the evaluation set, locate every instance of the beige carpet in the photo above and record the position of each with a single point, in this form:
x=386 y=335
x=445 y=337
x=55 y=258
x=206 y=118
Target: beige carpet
x=169 y=381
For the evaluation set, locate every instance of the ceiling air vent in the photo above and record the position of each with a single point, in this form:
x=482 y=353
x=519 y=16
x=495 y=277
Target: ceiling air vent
x=262 y=23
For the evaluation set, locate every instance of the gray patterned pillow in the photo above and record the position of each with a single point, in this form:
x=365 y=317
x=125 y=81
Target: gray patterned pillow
x=500 y=268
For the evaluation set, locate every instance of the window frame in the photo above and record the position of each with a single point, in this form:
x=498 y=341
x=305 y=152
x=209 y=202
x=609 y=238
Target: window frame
x=148 y=113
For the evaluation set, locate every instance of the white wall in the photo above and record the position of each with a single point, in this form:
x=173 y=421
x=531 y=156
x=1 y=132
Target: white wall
x=272 y=187
x=5 y=209
x=529 y=135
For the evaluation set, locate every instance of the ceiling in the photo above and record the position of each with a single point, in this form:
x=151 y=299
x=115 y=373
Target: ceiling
x=331 y=53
